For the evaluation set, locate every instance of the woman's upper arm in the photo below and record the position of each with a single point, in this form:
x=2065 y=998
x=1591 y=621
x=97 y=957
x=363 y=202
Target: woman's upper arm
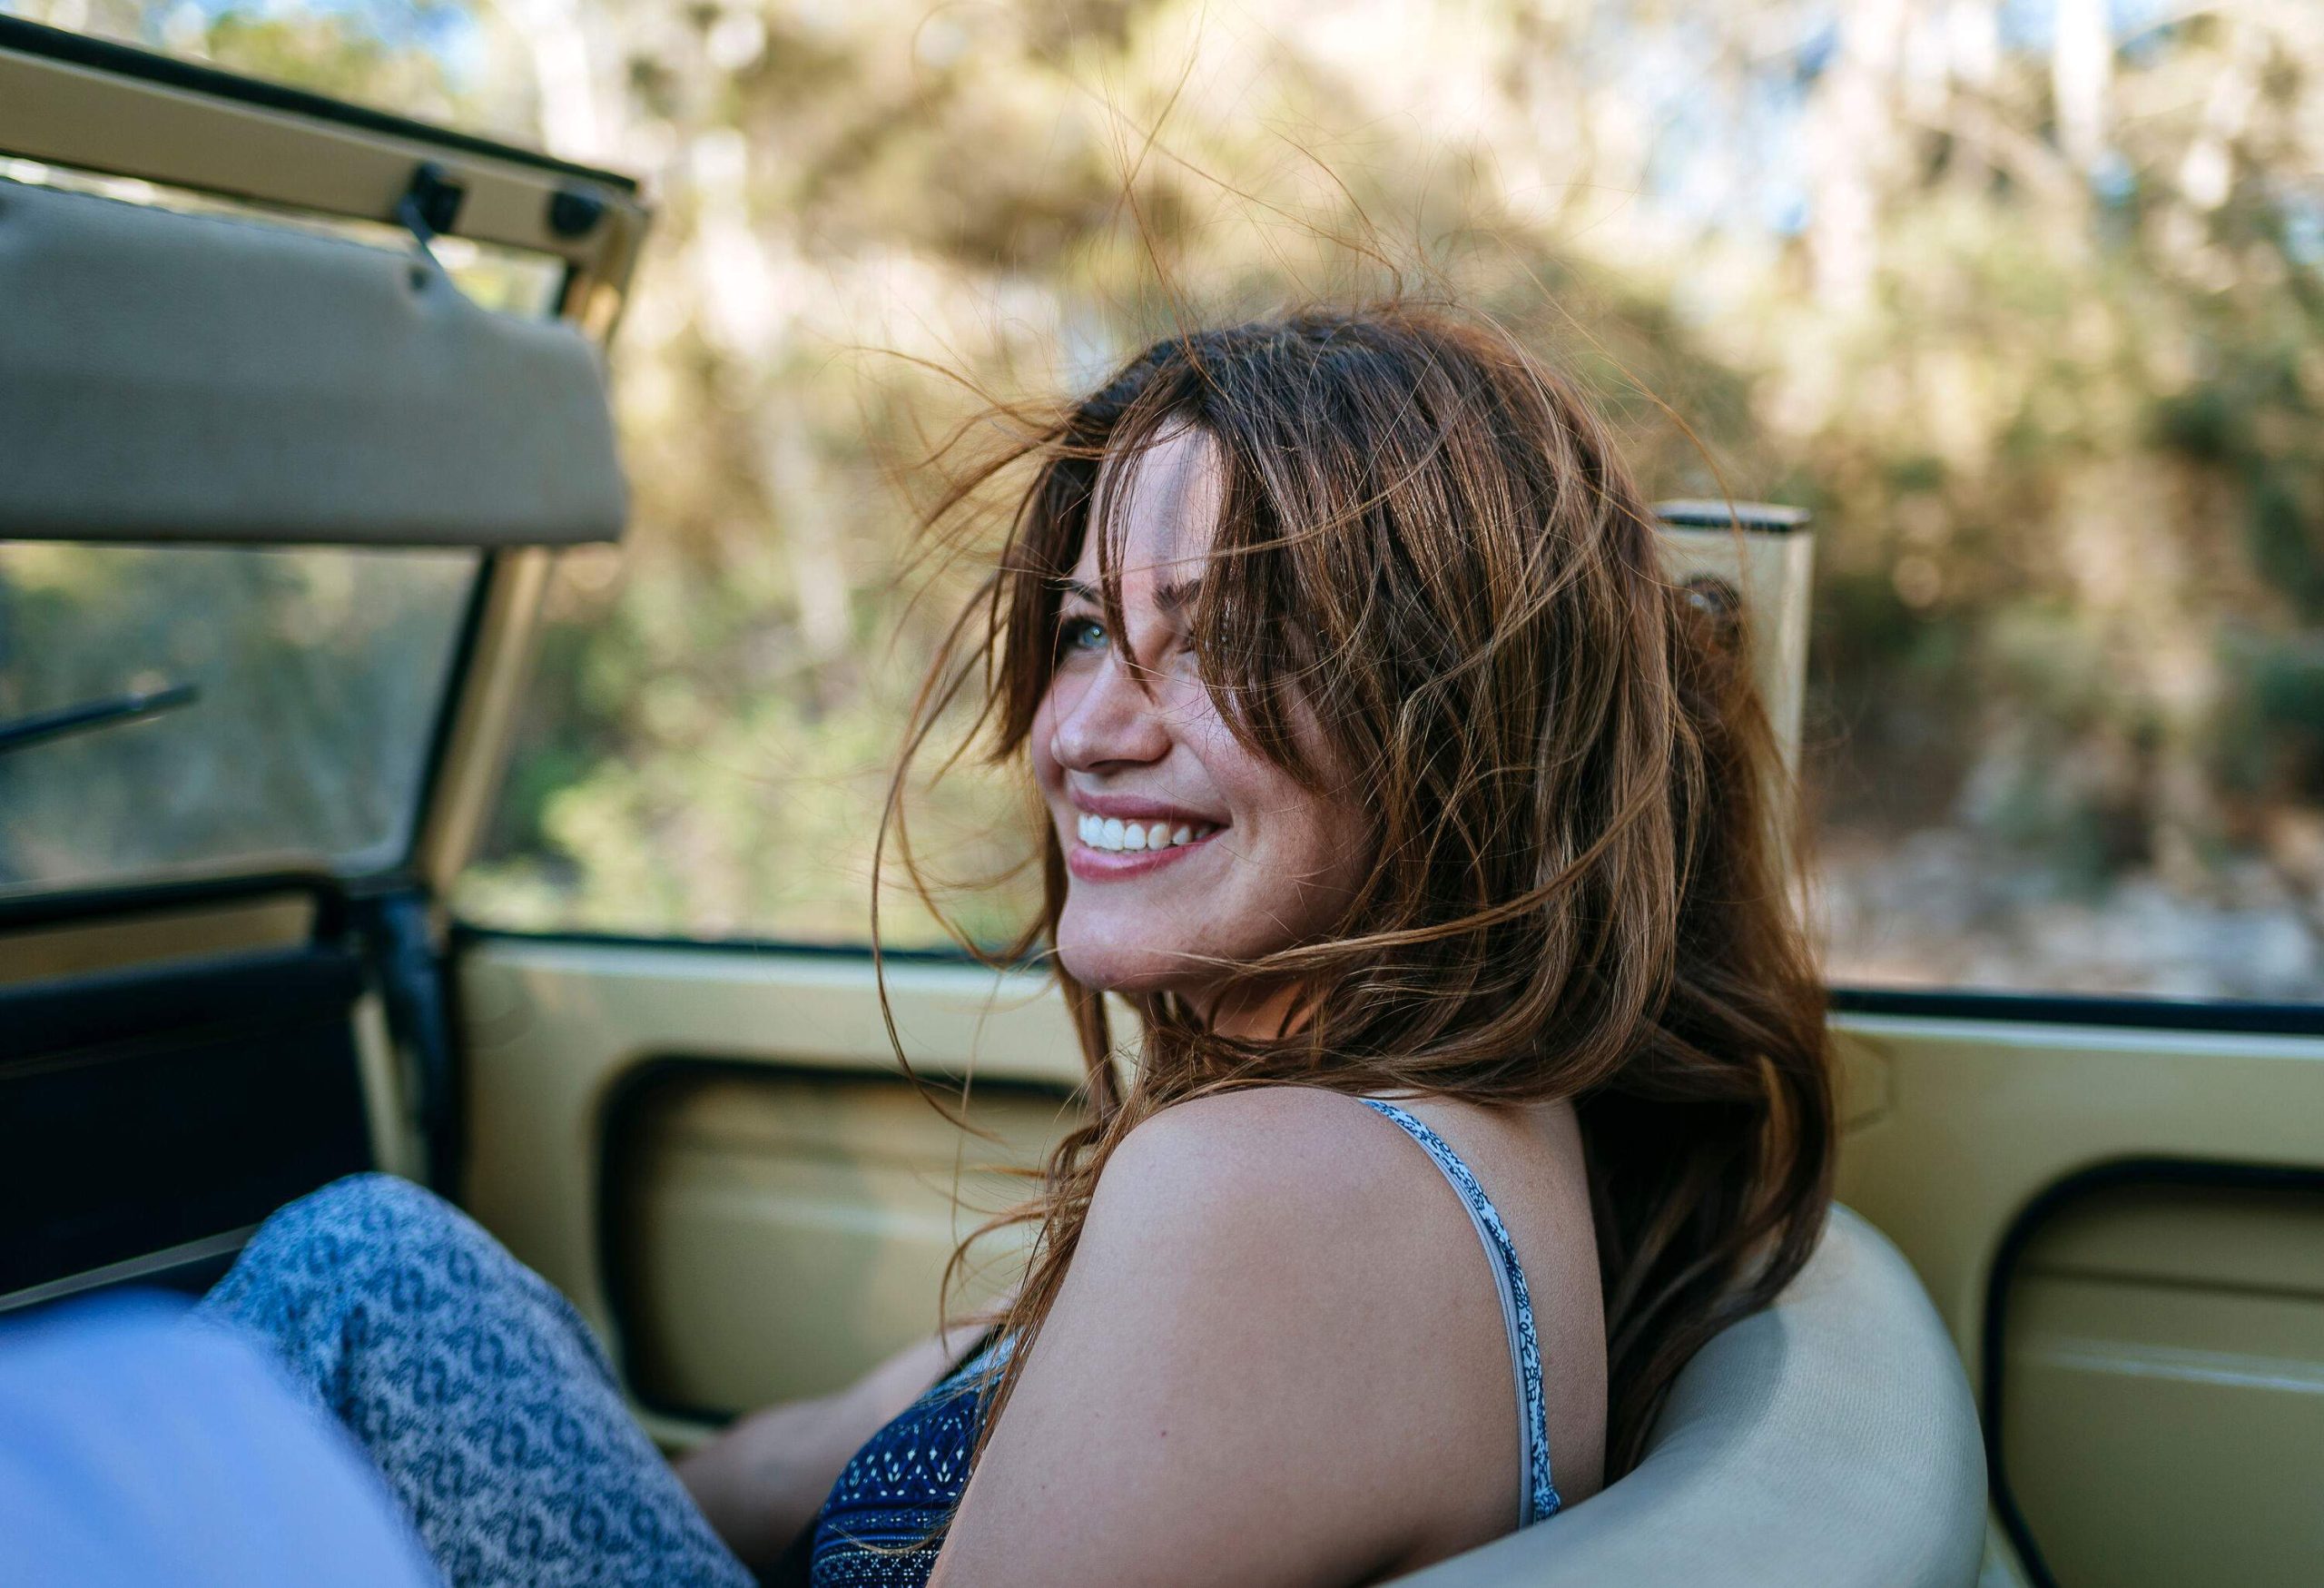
x=1199 y=1406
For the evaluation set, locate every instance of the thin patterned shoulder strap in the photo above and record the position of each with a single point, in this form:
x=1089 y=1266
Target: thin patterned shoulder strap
x=1537 y=1496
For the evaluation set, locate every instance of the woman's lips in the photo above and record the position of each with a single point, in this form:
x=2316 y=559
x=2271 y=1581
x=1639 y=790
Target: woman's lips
x=1112 y=865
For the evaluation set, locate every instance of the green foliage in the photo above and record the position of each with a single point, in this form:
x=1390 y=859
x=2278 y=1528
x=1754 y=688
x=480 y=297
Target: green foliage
x=2048 y=373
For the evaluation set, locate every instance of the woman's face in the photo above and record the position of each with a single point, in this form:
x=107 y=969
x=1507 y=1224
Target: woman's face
x=1179 y=840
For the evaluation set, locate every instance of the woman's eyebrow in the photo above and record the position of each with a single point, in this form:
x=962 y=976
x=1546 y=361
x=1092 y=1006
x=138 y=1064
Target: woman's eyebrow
x=1171 y=597
x=1175 y=598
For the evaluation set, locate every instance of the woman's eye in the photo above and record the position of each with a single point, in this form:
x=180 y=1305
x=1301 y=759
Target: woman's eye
x=1080 y=633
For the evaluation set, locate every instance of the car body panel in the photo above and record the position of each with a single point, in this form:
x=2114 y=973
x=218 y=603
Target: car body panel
x=2212 y=1336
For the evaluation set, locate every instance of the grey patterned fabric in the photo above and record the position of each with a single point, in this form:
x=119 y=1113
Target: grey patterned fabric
x=476 y=1389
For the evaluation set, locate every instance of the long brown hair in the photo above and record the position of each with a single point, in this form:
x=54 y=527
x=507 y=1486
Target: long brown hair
x=1432 y=562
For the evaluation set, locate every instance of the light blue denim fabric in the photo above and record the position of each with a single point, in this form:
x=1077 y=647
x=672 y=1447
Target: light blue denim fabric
x=138 y=1453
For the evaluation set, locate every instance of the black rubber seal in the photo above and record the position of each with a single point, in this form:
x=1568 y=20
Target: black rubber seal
x=2225 y=1015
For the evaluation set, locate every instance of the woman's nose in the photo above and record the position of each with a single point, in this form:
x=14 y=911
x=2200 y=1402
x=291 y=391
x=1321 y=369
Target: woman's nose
x=1110 y=721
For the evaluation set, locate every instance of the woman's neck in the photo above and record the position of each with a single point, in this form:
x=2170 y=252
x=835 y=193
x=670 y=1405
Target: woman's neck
x=1258 y=1016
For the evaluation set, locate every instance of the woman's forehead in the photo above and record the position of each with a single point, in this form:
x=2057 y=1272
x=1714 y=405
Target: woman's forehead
x=1163 y=501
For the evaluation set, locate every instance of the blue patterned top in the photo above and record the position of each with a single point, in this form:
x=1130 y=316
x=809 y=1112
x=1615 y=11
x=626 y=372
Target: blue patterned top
x=885 y=1518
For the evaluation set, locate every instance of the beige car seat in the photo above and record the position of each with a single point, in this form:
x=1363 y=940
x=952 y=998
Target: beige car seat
x=1828 y=1442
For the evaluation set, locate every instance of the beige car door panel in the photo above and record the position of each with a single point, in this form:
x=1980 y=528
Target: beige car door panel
x=713 y=1151
x=2155 y=1382
x=2123 y=1228
x=767 y=1227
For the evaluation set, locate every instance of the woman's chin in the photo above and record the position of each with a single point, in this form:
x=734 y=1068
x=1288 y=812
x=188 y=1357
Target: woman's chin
x=1132 y=970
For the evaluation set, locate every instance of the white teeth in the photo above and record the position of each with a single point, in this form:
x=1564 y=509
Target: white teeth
x=1109 y=832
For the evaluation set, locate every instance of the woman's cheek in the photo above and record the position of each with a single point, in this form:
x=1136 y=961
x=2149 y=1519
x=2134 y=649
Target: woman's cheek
x=1048 y=773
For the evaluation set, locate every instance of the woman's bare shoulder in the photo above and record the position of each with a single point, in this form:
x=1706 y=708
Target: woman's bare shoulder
x=1286 y=1181
x=1232 y=1347
x=1296 y=1141
x=1249 y=1284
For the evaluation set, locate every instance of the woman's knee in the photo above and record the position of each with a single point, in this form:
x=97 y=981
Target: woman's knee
x=378 y=1194
x=372 y=1257
x=375 y=1224
x=388 y=1208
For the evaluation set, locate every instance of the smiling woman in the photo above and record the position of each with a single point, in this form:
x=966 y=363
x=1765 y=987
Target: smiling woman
x=1461 y=800
x=1430 y=829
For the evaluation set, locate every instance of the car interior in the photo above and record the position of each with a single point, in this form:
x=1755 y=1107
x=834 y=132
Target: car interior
x=301 y=402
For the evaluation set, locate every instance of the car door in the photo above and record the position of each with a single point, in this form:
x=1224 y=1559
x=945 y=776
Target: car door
x=2118 y=1204
x=273 y=523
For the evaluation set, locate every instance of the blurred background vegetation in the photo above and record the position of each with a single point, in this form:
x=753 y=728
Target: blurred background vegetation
x=2022 y=297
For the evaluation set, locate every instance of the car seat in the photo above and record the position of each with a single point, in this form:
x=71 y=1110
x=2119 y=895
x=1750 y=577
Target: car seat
x=1830 y=1440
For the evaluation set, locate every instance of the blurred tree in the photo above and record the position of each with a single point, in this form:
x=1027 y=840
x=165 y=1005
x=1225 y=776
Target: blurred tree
x=2021 y=299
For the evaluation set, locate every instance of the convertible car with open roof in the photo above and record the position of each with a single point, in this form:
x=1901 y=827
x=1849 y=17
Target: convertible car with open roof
x=283 y=472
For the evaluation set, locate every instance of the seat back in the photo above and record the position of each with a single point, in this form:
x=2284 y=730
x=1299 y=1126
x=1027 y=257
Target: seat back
x=1830 y=1439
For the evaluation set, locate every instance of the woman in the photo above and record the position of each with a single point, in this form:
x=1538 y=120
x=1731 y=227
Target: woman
x=1432 y=836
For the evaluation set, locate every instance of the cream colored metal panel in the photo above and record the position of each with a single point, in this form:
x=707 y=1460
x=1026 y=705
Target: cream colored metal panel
x=2221 y=1237
x=1959 y=1124
x=1956 y=1127
x=1770 y=573
x=476 y=750
x=784 y=1231
x=2158 y=1434
x=75 y=115
x=1982 y=1116
x=551 y=1026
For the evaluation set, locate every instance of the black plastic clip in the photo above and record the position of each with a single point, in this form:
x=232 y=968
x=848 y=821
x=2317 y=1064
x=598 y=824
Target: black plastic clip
x=574 y=211
x=430 y=206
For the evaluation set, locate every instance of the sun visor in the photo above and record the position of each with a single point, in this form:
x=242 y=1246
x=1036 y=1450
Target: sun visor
x=173 y=376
